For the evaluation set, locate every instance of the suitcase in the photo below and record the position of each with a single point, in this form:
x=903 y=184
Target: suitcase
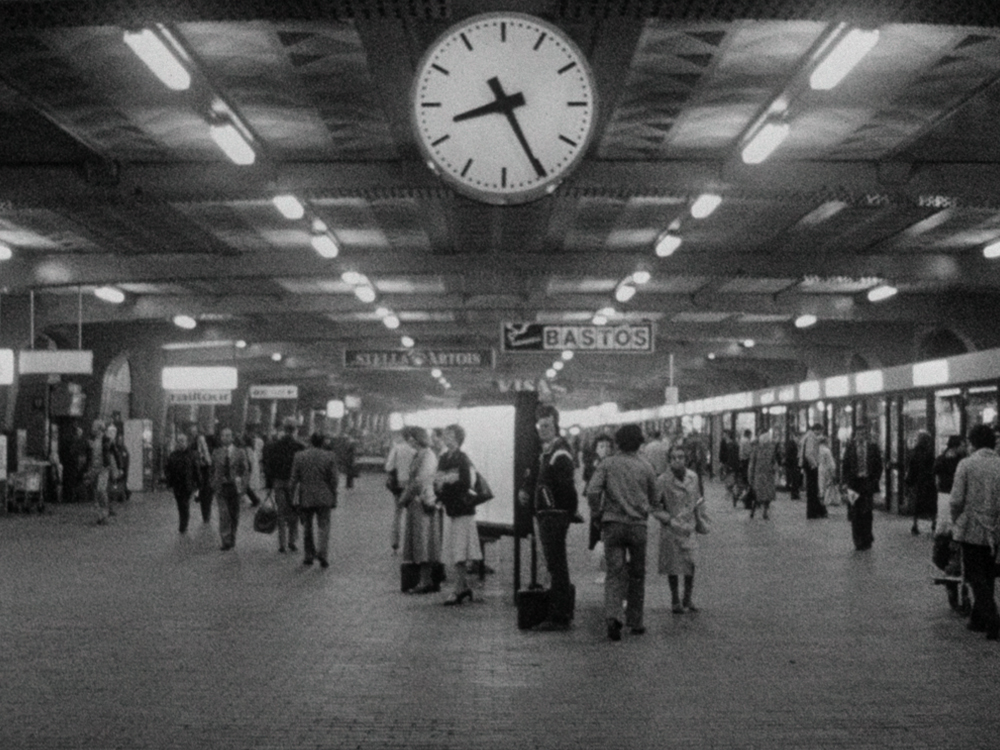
x=533 y=606
x=409 y=575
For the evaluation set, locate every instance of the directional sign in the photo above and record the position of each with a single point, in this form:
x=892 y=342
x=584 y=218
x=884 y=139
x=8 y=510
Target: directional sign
x=274 y=391
x=199 y=397
x=416 y=359
x=609 y=339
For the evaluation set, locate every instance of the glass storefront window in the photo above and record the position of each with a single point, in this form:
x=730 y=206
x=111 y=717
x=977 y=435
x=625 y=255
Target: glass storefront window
x=947 y=417
x=982 y=405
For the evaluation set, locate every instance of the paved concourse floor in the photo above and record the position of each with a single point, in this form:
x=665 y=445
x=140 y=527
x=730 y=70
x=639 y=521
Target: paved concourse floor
x=132 y=636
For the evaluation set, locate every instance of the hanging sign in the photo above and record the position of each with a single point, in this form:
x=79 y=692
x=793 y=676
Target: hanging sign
x=192 y=398
x=274 y=391
x=53 y=361
x=416 y=359
x=609 y=339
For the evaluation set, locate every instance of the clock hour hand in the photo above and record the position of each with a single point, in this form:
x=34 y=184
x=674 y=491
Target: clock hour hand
x=503 y=101
x=498 y=107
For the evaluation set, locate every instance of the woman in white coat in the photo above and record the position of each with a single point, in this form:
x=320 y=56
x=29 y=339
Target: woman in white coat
x=422 y=540
x=829 y=490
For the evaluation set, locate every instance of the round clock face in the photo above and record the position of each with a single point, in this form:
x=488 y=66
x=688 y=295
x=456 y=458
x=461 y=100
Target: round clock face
x=504 y=106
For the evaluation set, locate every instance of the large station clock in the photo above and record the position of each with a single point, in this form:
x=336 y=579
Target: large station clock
x=504 y=107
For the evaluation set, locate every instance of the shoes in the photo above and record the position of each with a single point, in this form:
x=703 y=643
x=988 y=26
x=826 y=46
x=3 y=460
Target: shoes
x=293 y=547
x=226 y=547
x=993 y=635
x=427 y=589
x=975 y=627
x=637 y=631
x=915 y=531
x=550 y=626
x=689 y=607
x=281 y=550
x=458 y=598
x=307 y=562
x=677 y=609
x=323 y=563
x=614 y=630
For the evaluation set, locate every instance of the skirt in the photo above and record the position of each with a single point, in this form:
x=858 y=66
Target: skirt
x=461 y=540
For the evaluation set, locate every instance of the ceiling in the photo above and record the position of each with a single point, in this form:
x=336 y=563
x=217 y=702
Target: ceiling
x=109 y=177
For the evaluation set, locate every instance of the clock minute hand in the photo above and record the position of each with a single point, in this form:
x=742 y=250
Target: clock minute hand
x=498 y=107
x=505 y=103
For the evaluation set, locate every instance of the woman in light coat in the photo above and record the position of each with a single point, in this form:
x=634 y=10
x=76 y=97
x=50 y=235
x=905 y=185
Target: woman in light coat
x=422 y=540
x=829 y=490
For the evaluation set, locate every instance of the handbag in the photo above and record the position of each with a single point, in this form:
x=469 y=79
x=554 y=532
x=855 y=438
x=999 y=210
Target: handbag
x=480 y=492
x=265 y=519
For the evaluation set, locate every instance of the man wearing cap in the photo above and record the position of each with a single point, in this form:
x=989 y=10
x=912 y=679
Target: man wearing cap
x=277 y=460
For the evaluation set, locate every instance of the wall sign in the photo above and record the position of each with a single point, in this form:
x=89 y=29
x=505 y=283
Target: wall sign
x=189 y=398
x=416 y=359
x=274 y=391
x=610 y=339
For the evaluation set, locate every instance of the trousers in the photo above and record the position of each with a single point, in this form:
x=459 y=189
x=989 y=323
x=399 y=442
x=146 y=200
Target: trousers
x=625 y=556
x=229 y=513
x=552 y=529
x=315 y=547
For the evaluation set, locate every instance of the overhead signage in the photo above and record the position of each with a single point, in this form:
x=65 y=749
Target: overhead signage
x=609 y=339
x=194 y=398
x=274 y=391
x=55 y=362
x=416 y=359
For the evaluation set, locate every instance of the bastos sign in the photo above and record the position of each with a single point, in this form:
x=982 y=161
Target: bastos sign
x=626 y=338
x=416 y=359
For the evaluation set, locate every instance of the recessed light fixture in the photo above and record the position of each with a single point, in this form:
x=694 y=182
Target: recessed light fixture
x=881 y=292
x=185 y=321
x=600 y=320
x=152 y=50
x=704 y=205
x=764 y=142
x=435 y=373
x=806 y=320
x=352 y=277
x=567 y=355
x=624 y=292
x=667 y=244
x=391 y=322
x=276 y=357
x=232 y=143
x=5 y=252
x=847 y=53
x=558 y=365
x=749 y=343
x=381 y=311
x=325 y=246
x=110 y=294
x=641 y=277
x=241 y=344
x=365 y=293
x=550 y=373
x=711 y=355
x=992 y=250
x=408 y=342
x=289 y=206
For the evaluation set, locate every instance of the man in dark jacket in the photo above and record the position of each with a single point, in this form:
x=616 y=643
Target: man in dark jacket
x=862 y=473
x=183 y=478
x=277 y=464
x=552 y=487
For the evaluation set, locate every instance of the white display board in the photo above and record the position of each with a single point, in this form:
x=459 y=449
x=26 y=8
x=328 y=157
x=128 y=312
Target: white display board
x=489 y=443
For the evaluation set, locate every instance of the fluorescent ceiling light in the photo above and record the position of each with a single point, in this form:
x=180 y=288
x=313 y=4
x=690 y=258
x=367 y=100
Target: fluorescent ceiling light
x=241 y=344
x=567 y=355
x=600 y=320
x=232 y=143
x=762 y=145
x=352 y=277
x=641 y=277
x=381 y=311
x=276 y=357
x=804 y=321
x=881 y=292
x=149 y=48
x=364 y=293
x=624 y=292
x=435 y=373
x=185 y=321
x=558 y=365
x=289 y=206
x=391 y=322
x=842 y=58
x=550 y=373
x=325 y=245
x=992 y=250
x=407 y=342
x=705 y=204
x=749 y=343
x=667 y=244
x=110 y=294
x=5 y=252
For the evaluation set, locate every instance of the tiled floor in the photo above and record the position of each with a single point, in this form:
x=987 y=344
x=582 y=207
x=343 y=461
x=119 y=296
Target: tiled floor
x=130 y=636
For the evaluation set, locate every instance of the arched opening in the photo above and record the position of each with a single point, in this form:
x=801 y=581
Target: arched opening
x=116 y=390
x=941 y=342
